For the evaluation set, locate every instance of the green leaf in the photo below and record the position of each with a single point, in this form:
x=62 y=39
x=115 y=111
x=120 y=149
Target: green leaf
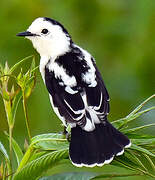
x=30 y=80
x=143 y=150
x=121 y=123
x=138 y=136
x=137 y=128
x=30 y=86
x=19 y=79
x=29 y=153
x=55 y=136
x=6 y=68
x=36 y=155
x=68 y=129
x=142 y=141
x=34 y=69
x=19 y=63
x=17 y=150
x=51 y=141
x=150 y=162
x=134 y=114
x=136 y=158
x=125 y=161
x=32 y=64
x=15 y=104
x=3 y=151
x=36 y=168
x=71 y=176
x=113 y=175
x=5 y=94
x=141 y=105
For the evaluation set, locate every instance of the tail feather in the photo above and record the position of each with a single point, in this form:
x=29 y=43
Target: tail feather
x=119 y=138
x=76 y=152
x=97 y=147
x=83 y=147
x=107 y=146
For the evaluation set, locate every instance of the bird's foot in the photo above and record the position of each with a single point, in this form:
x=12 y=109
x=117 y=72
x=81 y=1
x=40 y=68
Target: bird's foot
x=67 y=134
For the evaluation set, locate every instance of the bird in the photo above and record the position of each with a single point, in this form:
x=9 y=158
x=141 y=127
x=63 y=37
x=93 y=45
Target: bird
x=77 y=94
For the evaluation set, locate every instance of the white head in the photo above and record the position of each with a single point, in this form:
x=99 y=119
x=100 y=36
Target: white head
x=48 y=36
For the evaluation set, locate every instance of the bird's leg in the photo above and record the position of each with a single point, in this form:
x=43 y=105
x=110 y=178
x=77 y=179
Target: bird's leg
x=65 y=131
x=67 y=134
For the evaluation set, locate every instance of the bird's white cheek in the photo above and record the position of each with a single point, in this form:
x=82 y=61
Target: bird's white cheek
x=28 y=37
x=42 y=46
x=33 y=40
x=36 y=44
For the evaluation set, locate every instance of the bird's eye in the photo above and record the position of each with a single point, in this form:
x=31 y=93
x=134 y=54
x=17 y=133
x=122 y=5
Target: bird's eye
x=44 y=31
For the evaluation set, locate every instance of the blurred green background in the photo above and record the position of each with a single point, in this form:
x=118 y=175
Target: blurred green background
x=120 y=35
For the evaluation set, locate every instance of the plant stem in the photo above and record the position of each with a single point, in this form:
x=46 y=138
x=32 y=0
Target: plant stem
x=26 y=158
x=26 y=117
x=140 y=106
x=146 y=173
x=10 y=145
x=9 y=115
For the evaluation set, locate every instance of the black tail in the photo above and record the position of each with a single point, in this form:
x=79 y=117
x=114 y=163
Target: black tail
x=97 y=147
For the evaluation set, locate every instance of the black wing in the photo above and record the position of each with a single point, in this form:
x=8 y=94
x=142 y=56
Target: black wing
x=98 y=97
x=68 y=100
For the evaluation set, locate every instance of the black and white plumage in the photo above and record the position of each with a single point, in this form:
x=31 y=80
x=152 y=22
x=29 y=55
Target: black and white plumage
x=77 y=93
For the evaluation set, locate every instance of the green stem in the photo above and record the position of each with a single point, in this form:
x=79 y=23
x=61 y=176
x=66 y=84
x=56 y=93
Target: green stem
x=135 y=111
x=146 y=173
x=138 y=169
x=5 y=171
x=26 y=117
x=10 y=144
x=141 y=105
x=9 y=115
x=9 y=165
x=26 y=158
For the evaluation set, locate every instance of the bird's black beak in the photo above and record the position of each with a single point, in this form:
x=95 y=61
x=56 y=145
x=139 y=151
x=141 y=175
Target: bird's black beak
x=26 y=33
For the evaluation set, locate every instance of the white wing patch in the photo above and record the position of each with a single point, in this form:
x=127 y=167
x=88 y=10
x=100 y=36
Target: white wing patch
x=96 y=108
x=60 y=72
x=90 y=125
x=76 y=112
x=89 y=77
x=70 y=90
x=79 y=112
